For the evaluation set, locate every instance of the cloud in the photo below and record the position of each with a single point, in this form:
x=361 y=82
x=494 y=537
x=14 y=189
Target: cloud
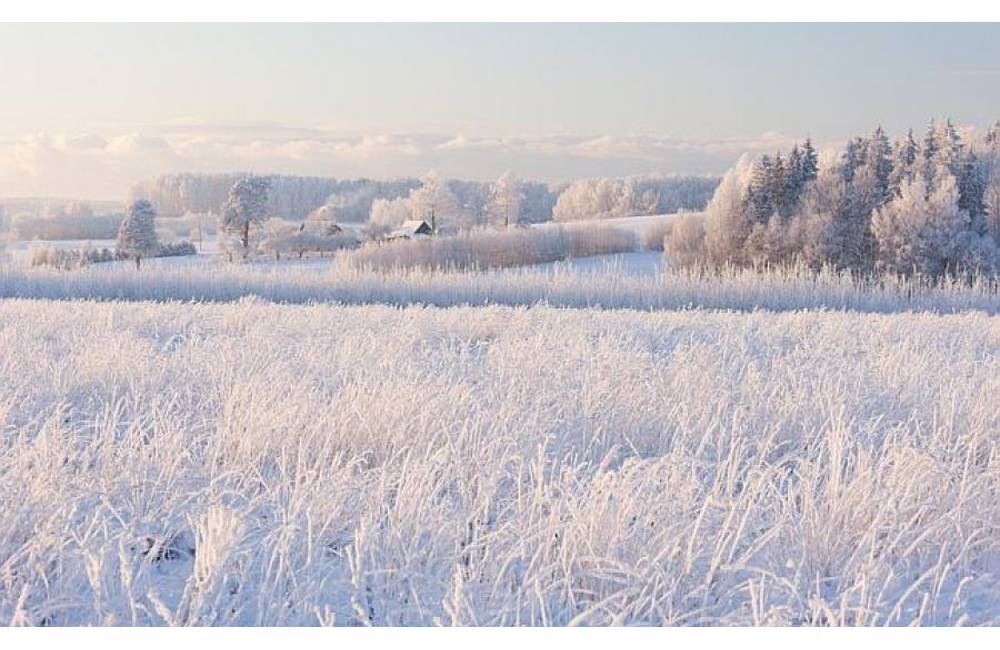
x=104 y=164
x=135 y=144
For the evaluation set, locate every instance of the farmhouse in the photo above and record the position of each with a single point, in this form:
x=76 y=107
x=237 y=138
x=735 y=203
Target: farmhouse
x=411 y=229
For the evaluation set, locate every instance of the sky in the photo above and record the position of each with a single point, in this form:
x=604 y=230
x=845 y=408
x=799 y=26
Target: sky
x=88 y=109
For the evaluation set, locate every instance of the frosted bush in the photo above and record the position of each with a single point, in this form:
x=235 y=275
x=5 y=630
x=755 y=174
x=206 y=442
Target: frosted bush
x=684 y=242
x=490 y=249
x=779 y=289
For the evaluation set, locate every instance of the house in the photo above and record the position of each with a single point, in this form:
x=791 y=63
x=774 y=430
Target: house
x=413 y=229
x=330 y=229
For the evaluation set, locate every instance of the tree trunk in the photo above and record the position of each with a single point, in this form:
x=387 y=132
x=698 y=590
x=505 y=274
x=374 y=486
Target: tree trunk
x=137 y=259
x=245 y=236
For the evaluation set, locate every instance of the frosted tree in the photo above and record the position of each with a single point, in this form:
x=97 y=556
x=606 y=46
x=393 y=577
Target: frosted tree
x=928 y=152
x=246 y=206
x=991 y=181
x=904 y=157
x=933 y=209
x=796 y=173
x=991 y=203
x=810 y=161
x=433 y=200
x=727 y=219
x=759 y=191
x=972 y=178
x=826 y=229
x=137 y=233
x=505 y=198
x=878 y=160
x=609 y=198
x=927 y=232
x=390 y=213
x=78 y=209
x=684 y=244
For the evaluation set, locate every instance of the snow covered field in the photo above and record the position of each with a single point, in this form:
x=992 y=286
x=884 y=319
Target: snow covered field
x=578 y=442
x=252 y=463
x=634 y=281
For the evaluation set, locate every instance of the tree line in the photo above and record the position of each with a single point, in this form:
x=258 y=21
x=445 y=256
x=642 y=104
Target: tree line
x=930 y=207
x=359 y=200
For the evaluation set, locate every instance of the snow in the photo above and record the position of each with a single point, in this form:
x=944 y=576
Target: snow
x=577 y=284
x=646 y=263
x=260 y=464
x=637 y=224
x=579 y=442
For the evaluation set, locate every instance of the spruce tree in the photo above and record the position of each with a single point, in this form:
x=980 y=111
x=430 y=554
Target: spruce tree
x=929 y=151
x=810 y=162
x=904 y=156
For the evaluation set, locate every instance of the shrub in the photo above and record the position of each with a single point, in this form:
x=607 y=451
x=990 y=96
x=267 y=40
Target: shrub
x=684 y=244
x=75 y=258
x=490 y=249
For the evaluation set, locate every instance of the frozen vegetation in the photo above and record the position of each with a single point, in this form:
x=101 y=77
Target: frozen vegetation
x=352 y=200
x=878 y=206
x=605 y=286
x=490 y=249
x=201 y=464
x=775 y=411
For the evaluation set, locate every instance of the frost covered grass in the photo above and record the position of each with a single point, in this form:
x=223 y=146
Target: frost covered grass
x=252 y=463
x=602 y=286
x=496 y=249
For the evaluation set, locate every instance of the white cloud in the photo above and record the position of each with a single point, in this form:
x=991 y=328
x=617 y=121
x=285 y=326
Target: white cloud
x=104 y=164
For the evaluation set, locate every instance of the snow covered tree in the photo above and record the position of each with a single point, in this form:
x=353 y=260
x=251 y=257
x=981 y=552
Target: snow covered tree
x=927 y=232
x=433 y=201
x=854 y=157
x=760 y=199
x=910 y=209
x=904 y=157
x=610 y=198
x=246 y=206
x=971 y=177
x=810 y=161
x=878 y=158
x=387 y=214
x=504 y=205
x=684 y=244
x=991 y=180
x=278 y=236
x=137 y=233
x=826 y=230
x=728 y=219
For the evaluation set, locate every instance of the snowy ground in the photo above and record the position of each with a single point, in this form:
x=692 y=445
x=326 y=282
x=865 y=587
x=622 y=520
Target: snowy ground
x=17 y=253
x=637 y=225
x=640 y=264
x=585 y=455
x=252 y=463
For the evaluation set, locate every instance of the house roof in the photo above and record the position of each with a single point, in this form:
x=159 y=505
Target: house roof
x=414 y=226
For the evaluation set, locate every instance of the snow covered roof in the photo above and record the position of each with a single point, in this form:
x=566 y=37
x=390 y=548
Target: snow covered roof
x=410 y=229
x=415 y=227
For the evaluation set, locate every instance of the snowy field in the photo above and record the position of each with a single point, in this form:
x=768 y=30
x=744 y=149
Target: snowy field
x=583 y=442
x=634 y=281
x=17 y=253
x=252 y=463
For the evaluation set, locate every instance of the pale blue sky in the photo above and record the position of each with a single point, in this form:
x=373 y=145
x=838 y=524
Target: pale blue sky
x=465 y=98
